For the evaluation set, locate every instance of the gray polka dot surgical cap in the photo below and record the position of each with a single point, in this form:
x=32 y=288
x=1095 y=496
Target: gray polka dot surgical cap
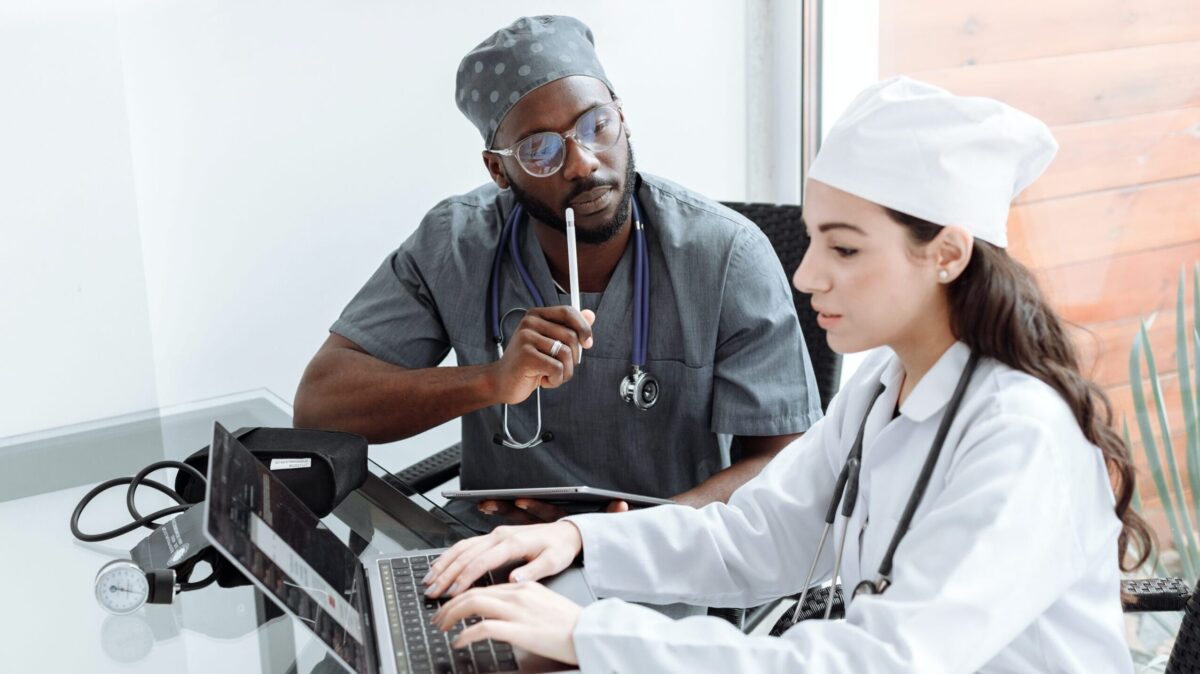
x=517 y=59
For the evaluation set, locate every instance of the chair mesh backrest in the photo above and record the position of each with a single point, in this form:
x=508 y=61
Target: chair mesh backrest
x=781 y=224
x=1185 y=656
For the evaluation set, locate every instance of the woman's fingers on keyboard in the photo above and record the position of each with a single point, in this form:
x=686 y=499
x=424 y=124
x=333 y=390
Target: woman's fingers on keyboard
x=443 y=571
x=482 y=560
x=527 y=615
x=460 y=567
x=489 y=602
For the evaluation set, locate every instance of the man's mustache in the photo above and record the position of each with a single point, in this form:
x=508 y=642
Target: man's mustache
x=590 y=185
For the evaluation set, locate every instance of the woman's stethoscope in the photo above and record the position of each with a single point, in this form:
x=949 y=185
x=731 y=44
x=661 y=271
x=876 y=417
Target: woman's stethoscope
x=639 y=388
x=846 y=493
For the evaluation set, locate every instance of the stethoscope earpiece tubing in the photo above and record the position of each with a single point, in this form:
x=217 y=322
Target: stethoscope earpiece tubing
x=845 y=493
x=134 y=482
x=510 y=238
x=641 y=290
x=885 y=566
x=514 y=249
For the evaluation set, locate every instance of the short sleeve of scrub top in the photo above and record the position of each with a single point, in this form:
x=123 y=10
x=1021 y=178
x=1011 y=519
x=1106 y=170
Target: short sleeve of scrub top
x=760 y=355
x=394 y=316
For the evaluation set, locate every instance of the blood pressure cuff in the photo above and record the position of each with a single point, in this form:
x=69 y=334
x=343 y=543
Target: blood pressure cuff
x=320 y=467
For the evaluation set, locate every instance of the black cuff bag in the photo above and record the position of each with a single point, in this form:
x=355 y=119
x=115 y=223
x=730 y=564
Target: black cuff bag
x=320 y=467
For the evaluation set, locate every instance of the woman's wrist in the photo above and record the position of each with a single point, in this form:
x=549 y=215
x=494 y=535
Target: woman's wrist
x=574 y=538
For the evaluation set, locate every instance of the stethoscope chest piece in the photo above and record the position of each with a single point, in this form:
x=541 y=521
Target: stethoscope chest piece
x=869 y=587
x=640 y=389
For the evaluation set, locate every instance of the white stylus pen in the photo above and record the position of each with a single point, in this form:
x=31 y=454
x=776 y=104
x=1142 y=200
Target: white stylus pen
x=573 y=264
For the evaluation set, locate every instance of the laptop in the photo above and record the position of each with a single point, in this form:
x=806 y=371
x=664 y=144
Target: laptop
x=370 y=612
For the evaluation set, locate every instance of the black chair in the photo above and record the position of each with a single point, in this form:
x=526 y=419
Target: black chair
x=1171 y=594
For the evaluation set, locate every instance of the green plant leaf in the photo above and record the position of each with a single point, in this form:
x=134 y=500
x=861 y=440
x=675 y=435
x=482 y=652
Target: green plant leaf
x=1152 y=455
x=1192 y=449
x=1196 y=331
x=1153 y=566
x=1160 y=410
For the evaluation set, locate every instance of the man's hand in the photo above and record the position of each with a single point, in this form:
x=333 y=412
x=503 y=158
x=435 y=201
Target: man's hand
x=532 y=511
x=750 y=454
x=527 y=362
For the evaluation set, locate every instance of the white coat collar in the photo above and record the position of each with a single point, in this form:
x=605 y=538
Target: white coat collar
x=935 y=388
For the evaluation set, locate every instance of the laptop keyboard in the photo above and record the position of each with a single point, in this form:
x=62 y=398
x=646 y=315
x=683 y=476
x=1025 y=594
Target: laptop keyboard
x=418 y=646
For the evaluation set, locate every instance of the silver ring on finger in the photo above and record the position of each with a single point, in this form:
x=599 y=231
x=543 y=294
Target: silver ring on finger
x=555 y=348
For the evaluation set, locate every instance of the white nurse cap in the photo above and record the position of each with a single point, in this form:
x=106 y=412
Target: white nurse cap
x=950 y=160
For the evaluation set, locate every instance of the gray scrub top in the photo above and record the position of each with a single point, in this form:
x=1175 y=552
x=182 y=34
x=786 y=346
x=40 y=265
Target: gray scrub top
x=724 y=343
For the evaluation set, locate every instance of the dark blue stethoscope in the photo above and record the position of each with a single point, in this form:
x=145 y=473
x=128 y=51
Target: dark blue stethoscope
x=639 y=388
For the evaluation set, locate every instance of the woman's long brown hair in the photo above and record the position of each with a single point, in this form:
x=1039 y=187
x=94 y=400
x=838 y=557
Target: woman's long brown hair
x=997 y=309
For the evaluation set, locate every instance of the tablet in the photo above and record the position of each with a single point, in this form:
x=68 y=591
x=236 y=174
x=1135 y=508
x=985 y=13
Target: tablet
x=576 y=494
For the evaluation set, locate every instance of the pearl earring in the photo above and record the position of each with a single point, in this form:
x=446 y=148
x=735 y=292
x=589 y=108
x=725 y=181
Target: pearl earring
x=943 y=275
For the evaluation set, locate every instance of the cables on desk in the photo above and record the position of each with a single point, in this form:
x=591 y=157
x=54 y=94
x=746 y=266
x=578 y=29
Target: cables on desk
x=147 y=521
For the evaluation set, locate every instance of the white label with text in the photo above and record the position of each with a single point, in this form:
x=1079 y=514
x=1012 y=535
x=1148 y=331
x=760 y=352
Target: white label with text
x=289 y=464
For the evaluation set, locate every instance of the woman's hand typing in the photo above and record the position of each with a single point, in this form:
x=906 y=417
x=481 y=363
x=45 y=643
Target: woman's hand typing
x=546 y=548
x=526 y=615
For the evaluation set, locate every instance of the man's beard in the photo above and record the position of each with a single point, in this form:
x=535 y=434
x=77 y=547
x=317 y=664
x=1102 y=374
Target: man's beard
x=556 y=218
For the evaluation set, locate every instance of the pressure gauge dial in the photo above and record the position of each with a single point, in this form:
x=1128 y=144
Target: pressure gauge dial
x=122 y=587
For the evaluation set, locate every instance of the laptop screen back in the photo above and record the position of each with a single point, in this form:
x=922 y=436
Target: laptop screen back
x=282 y=547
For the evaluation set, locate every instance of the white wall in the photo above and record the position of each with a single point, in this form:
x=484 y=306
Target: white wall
x=75 y=339
x=278 y=150
x=774 y=53
x=849 y=54
x=849 y=63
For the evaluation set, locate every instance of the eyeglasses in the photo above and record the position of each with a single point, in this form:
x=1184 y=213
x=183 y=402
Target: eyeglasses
x=542 y=154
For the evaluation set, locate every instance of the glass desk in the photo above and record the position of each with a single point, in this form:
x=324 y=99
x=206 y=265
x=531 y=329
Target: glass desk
x=51 y=621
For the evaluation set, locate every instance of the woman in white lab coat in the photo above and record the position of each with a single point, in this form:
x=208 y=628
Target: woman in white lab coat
x=1011 y=558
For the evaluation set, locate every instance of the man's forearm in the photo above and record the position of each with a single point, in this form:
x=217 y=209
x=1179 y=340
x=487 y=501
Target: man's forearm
x=753 y=453
x=347 y=390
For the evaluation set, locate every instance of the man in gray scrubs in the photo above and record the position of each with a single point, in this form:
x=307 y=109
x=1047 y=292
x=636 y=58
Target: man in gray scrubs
x=735 y=384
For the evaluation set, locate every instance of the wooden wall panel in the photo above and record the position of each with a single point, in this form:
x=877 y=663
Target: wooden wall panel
x=1074 y=229
x=931 y=34
x=1108 y=227
x=1109 y=290
x=1123 y=411
x=1086 y=87
x=1121 y=152
x=1104 y=349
